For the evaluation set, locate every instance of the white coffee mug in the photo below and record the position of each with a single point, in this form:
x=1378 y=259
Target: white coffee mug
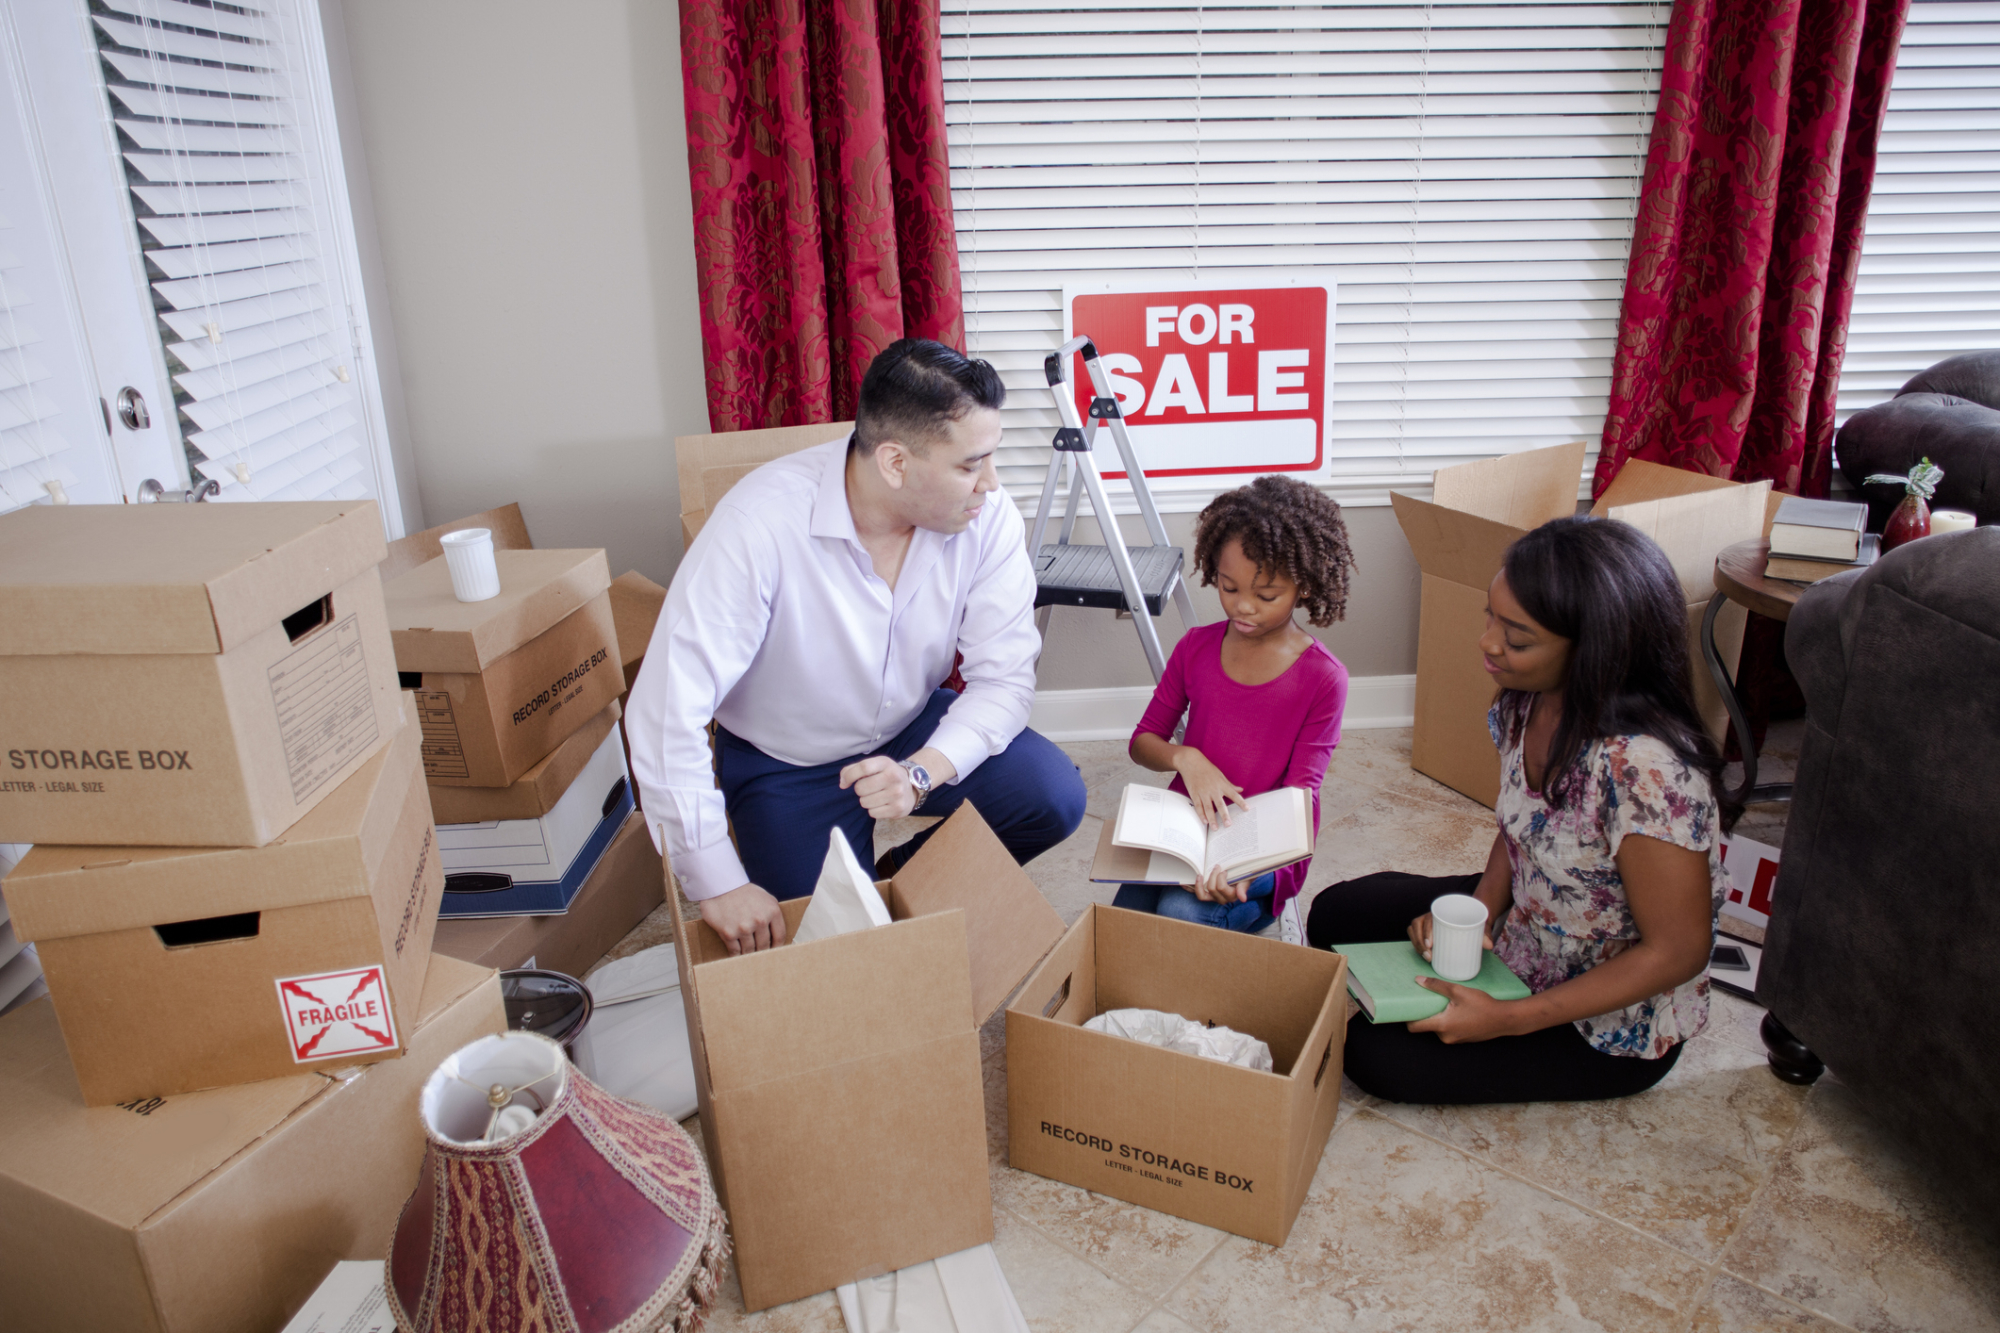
x=475 y=575
x=1458 y=936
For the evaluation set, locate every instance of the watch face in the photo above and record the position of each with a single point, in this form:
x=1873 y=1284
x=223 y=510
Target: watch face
x=921 y=776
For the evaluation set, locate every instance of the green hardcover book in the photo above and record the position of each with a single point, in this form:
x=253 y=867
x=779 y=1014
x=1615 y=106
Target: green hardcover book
x=1383 y=977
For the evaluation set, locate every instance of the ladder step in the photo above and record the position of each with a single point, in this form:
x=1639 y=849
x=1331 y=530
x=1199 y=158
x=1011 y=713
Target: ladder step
x=1077 y=575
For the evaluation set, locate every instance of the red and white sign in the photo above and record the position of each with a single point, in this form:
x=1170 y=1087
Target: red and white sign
x=337 y=1013
x=1752 y=868
x=1212 y=380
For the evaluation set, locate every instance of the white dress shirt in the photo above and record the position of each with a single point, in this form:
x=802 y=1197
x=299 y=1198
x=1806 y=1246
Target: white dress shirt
x=778 y=627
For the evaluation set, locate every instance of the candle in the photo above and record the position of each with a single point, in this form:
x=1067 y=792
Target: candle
x=1950 y=520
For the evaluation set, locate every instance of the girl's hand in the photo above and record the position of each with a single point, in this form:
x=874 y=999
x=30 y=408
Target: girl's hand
x=1213 y=888
x=1469 y=1014
x=1206 y=787
x=1420 y=936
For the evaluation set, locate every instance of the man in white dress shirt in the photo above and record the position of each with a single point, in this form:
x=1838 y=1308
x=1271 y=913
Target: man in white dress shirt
x=813 y=619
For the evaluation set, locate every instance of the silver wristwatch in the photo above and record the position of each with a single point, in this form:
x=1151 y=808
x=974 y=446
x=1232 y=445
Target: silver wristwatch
x=920 y=776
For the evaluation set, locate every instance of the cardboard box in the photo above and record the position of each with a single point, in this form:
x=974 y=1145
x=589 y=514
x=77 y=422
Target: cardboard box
x=839 y=1081
x=635 y=608
x=509 y=529
x=213 y=1212
x=187 y=675
x=529 y=867
x=1459 y=536
x=501 y=683
x=537 y=790
x=624 y=889
x=708 y=465
x=175 y=969
x=1217 y=1144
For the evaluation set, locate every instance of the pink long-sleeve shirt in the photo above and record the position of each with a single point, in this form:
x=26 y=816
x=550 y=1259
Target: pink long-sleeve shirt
x=1278 y=734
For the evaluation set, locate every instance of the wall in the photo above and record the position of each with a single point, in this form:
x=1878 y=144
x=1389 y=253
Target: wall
x=535 y=257
x=528 y=170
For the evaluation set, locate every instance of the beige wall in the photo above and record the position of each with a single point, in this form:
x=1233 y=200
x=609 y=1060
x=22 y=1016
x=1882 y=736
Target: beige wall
x=527 y=166
x=531 y=264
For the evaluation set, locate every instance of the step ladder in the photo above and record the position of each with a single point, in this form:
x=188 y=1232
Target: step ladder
x=1113 y=577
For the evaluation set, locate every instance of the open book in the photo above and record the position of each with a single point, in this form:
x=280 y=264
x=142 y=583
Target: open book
x=1159 y=839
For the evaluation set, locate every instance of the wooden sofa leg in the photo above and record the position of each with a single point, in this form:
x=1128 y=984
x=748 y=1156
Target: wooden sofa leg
x=1789 y=1057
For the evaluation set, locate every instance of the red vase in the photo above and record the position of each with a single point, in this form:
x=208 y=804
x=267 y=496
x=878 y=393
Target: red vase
x=1911 y=520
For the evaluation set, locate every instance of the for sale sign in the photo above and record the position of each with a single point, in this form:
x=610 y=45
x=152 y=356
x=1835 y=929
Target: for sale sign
x=337 y=1013
x=1212 y=380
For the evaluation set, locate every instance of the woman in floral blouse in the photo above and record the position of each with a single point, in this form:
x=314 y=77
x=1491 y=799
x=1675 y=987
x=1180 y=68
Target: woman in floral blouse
x=1606 y=873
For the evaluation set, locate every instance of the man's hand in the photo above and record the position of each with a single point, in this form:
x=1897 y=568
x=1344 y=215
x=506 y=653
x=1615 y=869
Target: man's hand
x=883 y=785
x=747 y=918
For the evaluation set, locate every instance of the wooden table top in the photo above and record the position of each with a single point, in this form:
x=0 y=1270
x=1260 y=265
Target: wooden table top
x=1739 y=576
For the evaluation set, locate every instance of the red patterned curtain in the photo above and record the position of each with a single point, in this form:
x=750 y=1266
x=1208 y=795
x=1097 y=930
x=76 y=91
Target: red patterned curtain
x=1748 y=237
x=822 y=205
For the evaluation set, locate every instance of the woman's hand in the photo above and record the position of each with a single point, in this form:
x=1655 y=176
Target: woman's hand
x=1213 y=888
x=1206 y=787
x=1420 y=935
x=1469 y=1014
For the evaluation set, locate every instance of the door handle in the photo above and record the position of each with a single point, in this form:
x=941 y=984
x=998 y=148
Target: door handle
x=132 y=409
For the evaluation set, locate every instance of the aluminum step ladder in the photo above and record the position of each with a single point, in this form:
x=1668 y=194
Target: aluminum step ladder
x=1114 y=577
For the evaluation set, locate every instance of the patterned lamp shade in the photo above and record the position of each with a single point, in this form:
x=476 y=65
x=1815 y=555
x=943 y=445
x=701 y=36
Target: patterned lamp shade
x=545 y=1204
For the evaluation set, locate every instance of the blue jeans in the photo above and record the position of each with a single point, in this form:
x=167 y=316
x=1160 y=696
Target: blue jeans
x=1246 y=917
x=1030 y=794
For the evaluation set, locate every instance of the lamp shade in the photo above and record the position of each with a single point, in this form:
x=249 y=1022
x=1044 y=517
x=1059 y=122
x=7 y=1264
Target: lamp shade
x=546 y=1204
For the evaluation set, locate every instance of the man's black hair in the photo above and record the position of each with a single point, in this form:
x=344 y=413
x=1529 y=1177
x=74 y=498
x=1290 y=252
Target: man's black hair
x=915 y=387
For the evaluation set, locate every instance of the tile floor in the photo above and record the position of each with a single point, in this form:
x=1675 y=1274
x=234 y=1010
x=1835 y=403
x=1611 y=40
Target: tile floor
x=1723 y=1201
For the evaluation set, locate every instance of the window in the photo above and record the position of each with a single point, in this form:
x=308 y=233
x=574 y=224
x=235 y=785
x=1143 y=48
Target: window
x=1466 y=173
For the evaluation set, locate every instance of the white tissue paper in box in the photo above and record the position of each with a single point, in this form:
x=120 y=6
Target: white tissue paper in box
x=1157 y=1028
x=959 y=1293
x=636 y=1044
x=844 y=899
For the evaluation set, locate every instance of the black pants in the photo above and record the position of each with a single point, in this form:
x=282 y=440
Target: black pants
x=1389 y=1061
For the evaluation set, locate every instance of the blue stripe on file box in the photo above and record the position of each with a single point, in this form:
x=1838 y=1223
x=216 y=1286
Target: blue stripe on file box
x=536 y=867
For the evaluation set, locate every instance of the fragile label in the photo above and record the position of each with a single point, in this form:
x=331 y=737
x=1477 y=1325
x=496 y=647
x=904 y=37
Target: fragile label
x=337 y=1013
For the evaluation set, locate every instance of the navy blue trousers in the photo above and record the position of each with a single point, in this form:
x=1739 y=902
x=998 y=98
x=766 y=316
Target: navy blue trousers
x=1030 y=794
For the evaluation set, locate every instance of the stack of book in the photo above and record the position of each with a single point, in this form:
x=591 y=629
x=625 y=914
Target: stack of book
x=1816 y=539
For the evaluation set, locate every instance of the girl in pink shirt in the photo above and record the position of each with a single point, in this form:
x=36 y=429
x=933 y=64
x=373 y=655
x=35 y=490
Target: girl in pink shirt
x=1262 y=697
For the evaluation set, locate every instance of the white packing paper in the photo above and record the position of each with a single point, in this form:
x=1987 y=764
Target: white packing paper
x=636 y=1044
x=844 y=899
x=1158 y=1028
x=959 y=1293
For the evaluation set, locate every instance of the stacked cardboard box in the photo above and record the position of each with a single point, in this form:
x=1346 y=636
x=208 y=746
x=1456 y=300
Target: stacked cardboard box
x=235 y=874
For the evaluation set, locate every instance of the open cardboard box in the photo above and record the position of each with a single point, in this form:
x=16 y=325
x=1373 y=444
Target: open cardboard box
x=708 y=465
x=178 y=968
x=1215 y=1143
x=839 y=1081
x=212 y=1212
x=624 y=888
x=187 y=675
x=1477 y=509
x=501 y=683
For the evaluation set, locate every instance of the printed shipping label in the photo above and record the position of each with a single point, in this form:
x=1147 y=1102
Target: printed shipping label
x=326 y=708
x=337 y=1013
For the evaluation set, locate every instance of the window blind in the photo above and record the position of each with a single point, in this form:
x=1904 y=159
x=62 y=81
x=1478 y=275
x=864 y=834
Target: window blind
x=35 y=433
x=215 y=115
x=1929 y=282
x=1465 y=172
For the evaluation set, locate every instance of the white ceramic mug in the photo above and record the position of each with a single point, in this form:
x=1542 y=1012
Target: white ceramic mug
x=475 y=575
x=1458 y=936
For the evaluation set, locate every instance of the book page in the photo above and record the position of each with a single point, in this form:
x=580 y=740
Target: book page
x=1272 y=829
x=1162 y=820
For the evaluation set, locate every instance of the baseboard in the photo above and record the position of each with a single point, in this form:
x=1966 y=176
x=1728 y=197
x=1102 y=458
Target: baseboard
x=1110 y=714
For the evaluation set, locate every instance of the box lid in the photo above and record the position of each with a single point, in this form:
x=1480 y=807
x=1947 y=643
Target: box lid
x=1692 y=516
x=1525 y=489
x=1456 y=547
x=434 y=631
x=1009 y=925
x=172 y=578
x=57 y=891
x=635 y=608
x=126 y=1165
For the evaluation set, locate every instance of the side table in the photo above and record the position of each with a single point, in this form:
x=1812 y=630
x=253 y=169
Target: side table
x=1739 y=578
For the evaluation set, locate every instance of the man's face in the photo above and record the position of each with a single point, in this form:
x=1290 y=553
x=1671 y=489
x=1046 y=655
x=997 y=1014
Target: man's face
x=944 y=486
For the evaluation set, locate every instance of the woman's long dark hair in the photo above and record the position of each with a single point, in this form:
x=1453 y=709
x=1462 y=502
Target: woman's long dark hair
x=1611 y=591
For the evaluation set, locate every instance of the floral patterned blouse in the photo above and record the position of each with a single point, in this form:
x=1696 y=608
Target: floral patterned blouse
x=1570 y=912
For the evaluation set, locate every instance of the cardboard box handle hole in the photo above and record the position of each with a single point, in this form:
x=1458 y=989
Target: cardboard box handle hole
x=208 y=930
x=409 y=680
x=1061 y=997
x=1325 y=1057
x=309 y=618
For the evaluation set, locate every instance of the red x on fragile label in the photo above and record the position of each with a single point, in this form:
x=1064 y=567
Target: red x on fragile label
x=337 y=1013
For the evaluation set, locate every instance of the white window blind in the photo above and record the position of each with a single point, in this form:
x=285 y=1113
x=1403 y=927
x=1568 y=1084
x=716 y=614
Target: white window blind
x=217 y=120
x=1465 y=172
x=36 y=433
x=1929 y=283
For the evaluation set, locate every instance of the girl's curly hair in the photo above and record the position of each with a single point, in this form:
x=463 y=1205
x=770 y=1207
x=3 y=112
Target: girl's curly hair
x=1284 y=525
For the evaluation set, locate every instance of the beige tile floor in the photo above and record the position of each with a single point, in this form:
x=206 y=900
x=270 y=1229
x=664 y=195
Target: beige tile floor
x=1722 y=1201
